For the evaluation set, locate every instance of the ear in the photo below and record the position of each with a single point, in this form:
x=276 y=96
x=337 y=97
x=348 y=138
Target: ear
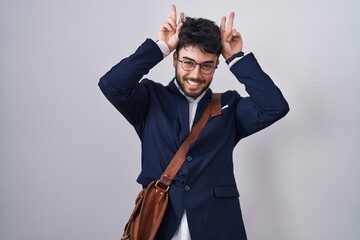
x=217 y=62
x=175 y=59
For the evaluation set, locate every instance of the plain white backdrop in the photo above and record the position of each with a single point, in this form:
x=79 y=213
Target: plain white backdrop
x=69 y=160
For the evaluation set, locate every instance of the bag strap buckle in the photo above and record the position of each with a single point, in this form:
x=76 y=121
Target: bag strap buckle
x=162 y=186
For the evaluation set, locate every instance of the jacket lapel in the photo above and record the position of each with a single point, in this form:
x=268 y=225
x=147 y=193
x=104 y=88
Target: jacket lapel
x=203 y=103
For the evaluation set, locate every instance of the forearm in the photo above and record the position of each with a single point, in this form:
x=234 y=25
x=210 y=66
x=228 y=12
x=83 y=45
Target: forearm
x=265 y=104
x=129 y=71
x=121 y=84
x=262 y=90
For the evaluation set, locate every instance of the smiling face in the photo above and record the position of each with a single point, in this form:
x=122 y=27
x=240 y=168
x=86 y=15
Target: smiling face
x=194 y=82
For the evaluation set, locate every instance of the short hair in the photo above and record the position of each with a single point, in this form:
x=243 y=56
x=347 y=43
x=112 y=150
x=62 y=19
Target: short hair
x=202 y=33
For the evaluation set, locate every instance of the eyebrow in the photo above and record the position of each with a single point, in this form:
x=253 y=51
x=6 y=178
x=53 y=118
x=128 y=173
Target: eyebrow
x=187 y=58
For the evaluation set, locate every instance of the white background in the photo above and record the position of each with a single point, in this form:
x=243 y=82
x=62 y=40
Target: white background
x=69 y=160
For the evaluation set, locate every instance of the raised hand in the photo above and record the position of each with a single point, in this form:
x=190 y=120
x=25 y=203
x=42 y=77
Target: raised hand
x=169 y=31
x=230 y=38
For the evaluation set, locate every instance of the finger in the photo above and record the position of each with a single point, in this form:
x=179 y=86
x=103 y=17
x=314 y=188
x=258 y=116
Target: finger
x=230 y=21
x=173 y=12
x=229 y=38
x=167 y=27
x=233 y=34
x=181 y=22
x=222 y=24
x=182 y=18
x=179 y=27
x=171 y=22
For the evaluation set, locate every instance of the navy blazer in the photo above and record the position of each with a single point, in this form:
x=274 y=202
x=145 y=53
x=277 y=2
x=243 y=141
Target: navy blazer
x=205 y=185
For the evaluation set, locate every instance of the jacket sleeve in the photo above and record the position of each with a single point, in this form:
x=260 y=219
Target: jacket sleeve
x=265 y=104
x=121 y=84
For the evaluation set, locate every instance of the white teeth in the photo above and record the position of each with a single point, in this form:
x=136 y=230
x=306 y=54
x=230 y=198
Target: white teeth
x=193 y=83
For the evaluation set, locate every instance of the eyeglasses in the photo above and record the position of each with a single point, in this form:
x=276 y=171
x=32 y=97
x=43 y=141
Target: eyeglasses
x=205 y=68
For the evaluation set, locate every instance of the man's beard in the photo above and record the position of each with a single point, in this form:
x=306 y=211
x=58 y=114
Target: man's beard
x=193 y=95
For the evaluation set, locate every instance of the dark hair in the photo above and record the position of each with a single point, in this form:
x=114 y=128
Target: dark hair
x=202 y=33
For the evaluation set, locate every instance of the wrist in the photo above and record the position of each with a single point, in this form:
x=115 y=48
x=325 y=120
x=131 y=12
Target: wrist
x=236 y=55
x=163 y=47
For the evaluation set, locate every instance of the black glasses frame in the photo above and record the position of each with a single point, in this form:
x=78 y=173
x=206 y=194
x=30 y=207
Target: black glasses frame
x=195 y=64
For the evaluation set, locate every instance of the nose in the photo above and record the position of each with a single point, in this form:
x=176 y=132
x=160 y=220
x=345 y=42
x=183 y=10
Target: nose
x=195 y=73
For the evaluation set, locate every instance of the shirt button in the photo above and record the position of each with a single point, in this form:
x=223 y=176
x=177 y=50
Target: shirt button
x=188 y=158
x=187 y=188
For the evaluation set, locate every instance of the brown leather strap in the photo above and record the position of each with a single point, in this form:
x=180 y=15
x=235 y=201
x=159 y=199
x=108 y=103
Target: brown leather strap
x=215 y=104
x=213 y=109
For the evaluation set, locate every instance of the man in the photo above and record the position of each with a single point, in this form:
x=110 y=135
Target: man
x=204 y=200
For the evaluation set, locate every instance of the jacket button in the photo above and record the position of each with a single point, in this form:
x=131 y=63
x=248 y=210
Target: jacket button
x=188 y=158
x=187 y=188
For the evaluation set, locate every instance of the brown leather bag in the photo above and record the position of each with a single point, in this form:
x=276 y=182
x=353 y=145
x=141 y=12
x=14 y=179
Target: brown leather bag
x=151 y=203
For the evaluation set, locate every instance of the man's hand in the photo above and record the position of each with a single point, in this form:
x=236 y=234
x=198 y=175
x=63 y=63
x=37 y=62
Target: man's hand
x=169 y=31
x=230 y=38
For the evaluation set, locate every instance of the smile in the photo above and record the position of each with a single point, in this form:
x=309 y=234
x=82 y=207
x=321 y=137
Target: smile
x=193 y=83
